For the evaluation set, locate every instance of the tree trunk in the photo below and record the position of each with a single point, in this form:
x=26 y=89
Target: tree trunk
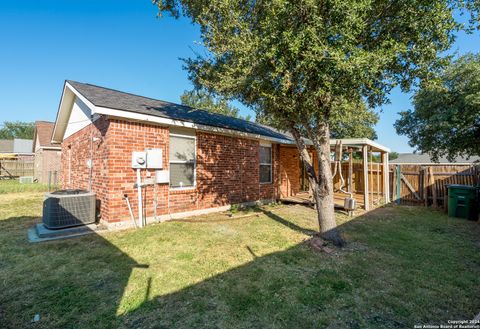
x=321 y=184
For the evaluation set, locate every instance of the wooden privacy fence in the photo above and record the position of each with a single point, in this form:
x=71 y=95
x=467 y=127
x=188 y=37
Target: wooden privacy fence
x=354 y=181
x=426 y=184
x=16 y=168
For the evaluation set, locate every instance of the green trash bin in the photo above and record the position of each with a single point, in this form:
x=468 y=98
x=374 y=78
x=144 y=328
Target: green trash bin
x=462 y=201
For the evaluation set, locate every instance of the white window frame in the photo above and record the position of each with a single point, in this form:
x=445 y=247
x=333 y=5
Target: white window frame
x=194 y=186
x=266 y=164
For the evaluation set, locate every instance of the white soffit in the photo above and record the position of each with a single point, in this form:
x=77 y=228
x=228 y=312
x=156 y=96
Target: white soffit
x=361 y=142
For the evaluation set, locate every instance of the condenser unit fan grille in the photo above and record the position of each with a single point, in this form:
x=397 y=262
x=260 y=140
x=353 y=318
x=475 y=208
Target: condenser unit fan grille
x=68 y=208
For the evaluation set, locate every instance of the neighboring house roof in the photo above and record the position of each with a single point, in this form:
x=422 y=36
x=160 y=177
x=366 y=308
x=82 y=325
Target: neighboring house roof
x=114 y=99
x=21 y=146
x=412 y=158
x=16 y=146
x=43 y=134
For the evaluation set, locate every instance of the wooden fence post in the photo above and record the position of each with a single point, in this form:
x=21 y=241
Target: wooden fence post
x=394 y=179
x=425 y=185
x=365 y=177
x=386 y=177
x=399 y=183
x=371 y=182
x=477 y=175
x=350 y=170
x=378 y=183
x=434 y=188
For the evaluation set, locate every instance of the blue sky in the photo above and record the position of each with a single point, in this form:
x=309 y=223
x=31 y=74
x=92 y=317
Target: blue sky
x=118 y=44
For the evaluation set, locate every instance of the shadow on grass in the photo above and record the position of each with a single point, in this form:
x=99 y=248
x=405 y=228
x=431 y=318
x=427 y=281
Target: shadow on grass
x=80 y=283
x=70 y=283
x=297 y=287
x=289 y=224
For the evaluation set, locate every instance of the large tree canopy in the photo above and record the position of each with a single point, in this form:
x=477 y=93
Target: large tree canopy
x=201 y=99
x=17 y=129
x=306 y=64
x=354 y=124
x=358 y=124
x=446 y=115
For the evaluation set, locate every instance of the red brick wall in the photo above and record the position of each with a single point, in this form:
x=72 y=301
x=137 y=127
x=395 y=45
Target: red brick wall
x=227 y=173
x=47 y=161
x=227 y=169
x=76 y=150
x=124 y=138
x=289 y=172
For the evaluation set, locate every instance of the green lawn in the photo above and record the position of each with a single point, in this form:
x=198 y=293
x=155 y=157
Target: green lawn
x=402 y=266
x=13 y=186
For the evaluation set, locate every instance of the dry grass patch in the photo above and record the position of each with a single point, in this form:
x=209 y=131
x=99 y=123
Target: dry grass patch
x=13 y=186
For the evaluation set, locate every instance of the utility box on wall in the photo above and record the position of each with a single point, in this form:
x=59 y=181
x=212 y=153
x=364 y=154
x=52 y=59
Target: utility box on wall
x=139 y=160
x=162 y=176
x=154 y=159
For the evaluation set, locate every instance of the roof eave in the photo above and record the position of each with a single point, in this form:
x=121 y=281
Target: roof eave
x=376 y=147
x=179 y=123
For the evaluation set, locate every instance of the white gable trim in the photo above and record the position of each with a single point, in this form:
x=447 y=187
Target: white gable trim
x=71 y=100
x=77 y=94
x=80 y=117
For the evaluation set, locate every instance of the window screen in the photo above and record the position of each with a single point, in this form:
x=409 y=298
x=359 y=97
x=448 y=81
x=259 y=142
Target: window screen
x=182 y=149
x=182 y=161
x=265 y=155
x=182 y=174
x=265 y=164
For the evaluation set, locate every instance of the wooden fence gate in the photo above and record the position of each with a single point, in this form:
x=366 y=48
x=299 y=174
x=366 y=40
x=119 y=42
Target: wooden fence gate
x=426 y=184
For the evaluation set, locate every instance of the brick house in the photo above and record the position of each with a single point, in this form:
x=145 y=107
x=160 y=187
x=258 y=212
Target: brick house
x=211 y=161
x=47 y=155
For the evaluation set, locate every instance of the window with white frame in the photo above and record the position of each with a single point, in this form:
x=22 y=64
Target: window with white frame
x=265 y=164
x=182 y=160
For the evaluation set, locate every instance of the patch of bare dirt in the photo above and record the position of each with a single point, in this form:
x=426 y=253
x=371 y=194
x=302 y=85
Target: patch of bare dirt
x=319 y=245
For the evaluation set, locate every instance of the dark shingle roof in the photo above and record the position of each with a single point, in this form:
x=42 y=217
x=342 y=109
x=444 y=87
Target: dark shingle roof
x=114 y=99
x=44 y=130
x=425 y=158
